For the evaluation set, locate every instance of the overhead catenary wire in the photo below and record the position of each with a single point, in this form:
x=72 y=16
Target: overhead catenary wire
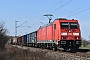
x=37 y=21
x=47 y=11
x=55 y=5
x=78 y=12
x=21 y=24
x=74 y=10
x=61 y=6
x=78 y=9
x=55 y=10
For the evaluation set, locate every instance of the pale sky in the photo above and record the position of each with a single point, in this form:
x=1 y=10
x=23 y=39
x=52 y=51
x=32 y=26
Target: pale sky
x=32 y=11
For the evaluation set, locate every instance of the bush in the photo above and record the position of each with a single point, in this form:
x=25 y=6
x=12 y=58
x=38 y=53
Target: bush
x=3 y=36
x=14 y=53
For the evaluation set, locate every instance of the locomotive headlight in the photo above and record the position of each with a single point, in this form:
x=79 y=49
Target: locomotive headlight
x=76 y=34
x=63 y=33
x=77 y=37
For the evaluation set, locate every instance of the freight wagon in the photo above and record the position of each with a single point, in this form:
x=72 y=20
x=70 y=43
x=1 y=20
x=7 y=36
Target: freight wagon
x=28 y=39
x=24 y=39
x=13 y=40
x=32 y=39
x=19 y=40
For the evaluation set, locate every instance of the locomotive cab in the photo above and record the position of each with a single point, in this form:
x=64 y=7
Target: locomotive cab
x=70 y=36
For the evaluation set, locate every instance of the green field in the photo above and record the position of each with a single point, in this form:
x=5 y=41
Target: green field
x=87 y=47
x=84 y=47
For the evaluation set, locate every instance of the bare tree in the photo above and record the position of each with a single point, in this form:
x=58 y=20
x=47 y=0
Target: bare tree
x=3 y=35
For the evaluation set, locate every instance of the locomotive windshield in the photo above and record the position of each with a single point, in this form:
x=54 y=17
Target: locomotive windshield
x=71 y=25
x=64 y=25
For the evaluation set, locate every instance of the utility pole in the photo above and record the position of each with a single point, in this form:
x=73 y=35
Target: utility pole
x=49 y=16
x=16 y=32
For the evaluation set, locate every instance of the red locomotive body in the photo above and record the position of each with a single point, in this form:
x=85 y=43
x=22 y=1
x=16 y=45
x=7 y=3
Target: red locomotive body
x=61 y=33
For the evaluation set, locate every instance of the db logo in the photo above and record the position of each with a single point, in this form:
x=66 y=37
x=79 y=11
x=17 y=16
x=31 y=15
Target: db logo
x=69 y=33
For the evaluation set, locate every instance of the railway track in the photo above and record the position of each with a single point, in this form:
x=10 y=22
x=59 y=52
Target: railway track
x=80 y=53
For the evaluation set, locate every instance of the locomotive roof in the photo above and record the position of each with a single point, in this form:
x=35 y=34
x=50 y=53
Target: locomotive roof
x=46 y=25
x=53 y=21
x=61 y=19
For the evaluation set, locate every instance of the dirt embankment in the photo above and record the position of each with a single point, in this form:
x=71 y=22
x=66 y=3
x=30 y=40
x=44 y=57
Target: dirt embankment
x=30 y=53
x=14 y=53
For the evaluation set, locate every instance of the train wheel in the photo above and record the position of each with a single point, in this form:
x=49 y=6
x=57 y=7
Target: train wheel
x=55 y=48
x=50 y=46
x=36 y=45
x=42 y=46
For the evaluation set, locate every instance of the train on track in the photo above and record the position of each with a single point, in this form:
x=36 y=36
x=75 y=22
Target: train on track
x=61 y=33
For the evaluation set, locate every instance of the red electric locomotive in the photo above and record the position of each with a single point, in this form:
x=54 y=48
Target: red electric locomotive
x=61 y=33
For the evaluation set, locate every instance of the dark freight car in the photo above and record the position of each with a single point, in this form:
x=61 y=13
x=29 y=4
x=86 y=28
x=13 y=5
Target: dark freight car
x=32 y=38
x=25 y=39
x=19 y=40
